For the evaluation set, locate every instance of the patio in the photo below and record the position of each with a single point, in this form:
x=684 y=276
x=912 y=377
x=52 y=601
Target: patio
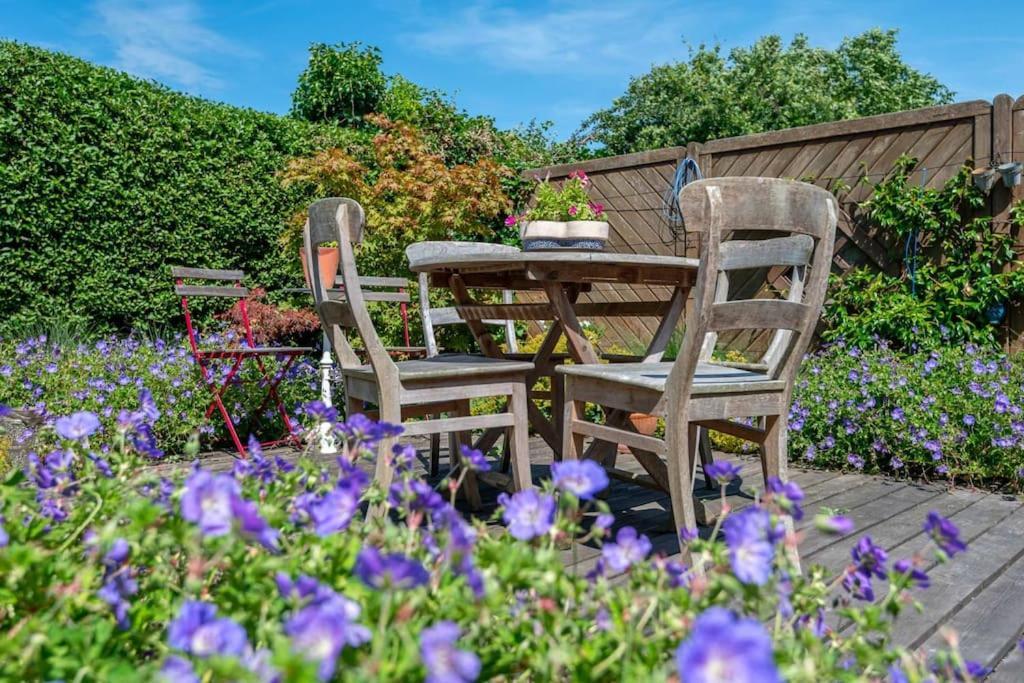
x=980 y=595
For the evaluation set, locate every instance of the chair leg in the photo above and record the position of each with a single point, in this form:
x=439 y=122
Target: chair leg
x=435 y=454
x=707 y=457
x=520 y=442
x=572 y=443
x=391 y=413
x=470 y=487
x=506 y=451
x=773 y=462
x=679 y=446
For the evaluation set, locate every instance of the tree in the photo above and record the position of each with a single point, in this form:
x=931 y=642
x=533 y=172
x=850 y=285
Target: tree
x=767 y=86
x=341 y=83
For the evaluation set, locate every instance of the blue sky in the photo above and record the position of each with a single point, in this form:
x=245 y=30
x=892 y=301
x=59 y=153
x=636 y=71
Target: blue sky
x=514 y=61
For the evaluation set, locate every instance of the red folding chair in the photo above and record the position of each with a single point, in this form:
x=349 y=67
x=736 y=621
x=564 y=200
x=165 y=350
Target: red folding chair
x=236 y=355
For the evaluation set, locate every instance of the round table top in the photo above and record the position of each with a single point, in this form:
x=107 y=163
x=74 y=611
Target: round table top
x=440 y=257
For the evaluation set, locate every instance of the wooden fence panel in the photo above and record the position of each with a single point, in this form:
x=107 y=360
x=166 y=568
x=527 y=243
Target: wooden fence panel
x=834 y=155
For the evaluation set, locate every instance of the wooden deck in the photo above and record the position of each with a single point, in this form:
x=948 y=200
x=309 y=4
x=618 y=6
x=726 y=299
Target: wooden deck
x=980 y=594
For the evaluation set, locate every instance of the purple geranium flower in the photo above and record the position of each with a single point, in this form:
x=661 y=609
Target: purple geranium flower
x=750 y=538
x=77 y=426
x=628 y=549
x=446 y=663
x=251 y=524
x=198 y=631
x=177 y=670
x=5 y=538
x=207 y=501
x=945 y=534
x=787 y=495
x=325 y=625
x=528 y=514
x=918 y=576
x=389 y=571
x=582 y=478
x=722 y=471
x=474 y=459
x=724 y=648
x=834 y=524
x=333 y=511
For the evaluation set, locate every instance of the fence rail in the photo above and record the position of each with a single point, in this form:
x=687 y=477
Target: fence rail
x=633 y=189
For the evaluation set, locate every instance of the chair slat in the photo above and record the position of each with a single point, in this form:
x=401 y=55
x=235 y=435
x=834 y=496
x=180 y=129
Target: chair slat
x=206 y=273
x=212 y=290
x=374 y=281
x=337 y=313
x=758 y=314
x=445 y=316
x=795 y=250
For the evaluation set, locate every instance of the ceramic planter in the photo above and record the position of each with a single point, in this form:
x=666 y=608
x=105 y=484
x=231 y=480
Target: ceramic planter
x=643 y=423
x=1011 y=173
x=327 y=261
x=554 y=235
x=984 y=179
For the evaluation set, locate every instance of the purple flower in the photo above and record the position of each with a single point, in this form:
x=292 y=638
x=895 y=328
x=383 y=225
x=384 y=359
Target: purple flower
x=628 y=549
x=251 y=524
x=5 y=538
x=604 y=521
x=750 y=538
x=77 y=426
x=207 y=501
x=869 y=558
x=177 y=670
x=945 y=534
x=582 y=478
x=322 y=628
x=724 y=648
x=855 y=460
x=969 y=420
x=722 y=471
x=834 y=524
x=528 y=514
x=362 y=432
x=907 y=568
x=787 y=495
x=474 y=459
x=198 y=631
x=446 y=663
x=389 y=571
x=333 y=511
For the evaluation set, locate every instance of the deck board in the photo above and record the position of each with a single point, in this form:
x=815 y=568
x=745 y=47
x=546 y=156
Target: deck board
x=980 y=594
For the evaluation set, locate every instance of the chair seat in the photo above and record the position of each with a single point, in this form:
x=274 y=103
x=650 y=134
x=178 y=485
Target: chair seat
x=408 y=350
x=255 y=351
x=709 y=378
x=447 y=366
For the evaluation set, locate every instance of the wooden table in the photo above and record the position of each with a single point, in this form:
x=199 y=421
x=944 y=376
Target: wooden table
x=562 y=276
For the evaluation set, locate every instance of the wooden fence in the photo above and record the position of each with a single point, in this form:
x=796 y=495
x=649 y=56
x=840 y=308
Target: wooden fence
x=633 y=188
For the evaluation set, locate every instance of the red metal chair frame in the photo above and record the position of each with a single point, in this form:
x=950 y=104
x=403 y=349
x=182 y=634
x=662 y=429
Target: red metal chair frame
x=238 y=355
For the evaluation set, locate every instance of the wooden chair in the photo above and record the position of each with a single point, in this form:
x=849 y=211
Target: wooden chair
x=413 y=388
x=690 y=392
x=440 y=316
x=236 y=354
x=392 y=290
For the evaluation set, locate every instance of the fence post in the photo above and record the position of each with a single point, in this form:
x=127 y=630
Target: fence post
x=1015 y=152
x=999 y=199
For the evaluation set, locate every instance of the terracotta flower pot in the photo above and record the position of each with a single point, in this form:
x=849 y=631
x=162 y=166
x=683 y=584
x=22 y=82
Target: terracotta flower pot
x=643 y=423
x=327 y=258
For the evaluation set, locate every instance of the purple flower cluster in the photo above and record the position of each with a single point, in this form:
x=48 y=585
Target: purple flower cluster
x=119 y=582
x=868 y=563
x=724 y=648
x=214 y=502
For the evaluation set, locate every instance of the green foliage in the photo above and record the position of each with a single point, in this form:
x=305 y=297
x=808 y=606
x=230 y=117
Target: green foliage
x=82 y=541
x=953 y=412
x=106 y=180
x=341 y=83
x=767 y=86
x=966 y=264
x=570 y=203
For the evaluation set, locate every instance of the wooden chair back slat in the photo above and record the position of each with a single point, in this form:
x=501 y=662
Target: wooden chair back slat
x=206 y=273
x=337 y=313
x=211 y=290
x=795 y=250
x=758 y=314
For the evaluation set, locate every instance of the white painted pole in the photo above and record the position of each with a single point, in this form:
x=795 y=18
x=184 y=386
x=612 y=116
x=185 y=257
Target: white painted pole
x=328 y=446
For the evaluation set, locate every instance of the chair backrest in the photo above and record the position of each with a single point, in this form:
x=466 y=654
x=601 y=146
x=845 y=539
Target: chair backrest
x=751 y=224
x=233 y=290
x=449 y=315
x=340 y=221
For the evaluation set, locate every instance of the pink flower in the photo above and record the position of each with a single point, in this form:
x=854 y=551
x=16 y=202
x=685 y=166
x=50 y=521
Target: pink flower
x=579 y=175
x=511 y=220
x=597 y=208
x=572 y=210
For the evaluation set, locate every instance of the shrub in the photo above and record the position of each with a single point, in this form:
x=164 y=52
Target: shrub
x=106 y=376
x=273 y=325
x=107 y=180
x=272 y=572
x=954 y=412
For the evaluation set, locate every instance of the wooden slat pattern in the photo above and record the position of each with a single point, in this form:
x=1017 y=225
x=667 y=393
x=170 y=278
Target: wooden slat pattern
x=833 y=155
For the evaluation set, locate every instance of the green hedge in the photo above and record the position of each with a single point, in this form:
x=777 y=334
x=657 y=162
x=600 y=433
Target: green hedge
x=106 y=180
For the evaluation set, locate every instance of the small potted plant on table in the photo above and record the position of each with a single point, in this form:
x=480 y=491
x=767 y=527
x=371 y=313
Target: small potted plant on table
x=563 y=218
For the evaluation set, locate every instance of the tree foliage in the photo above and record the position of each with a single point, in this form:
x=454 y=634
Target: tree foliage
x=767 y=86
x=342 y=83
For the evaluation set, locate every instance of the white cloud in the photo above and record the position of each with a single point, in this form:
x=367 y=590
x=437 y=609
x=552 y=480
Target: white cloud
x=164 y=40
x=598 y=36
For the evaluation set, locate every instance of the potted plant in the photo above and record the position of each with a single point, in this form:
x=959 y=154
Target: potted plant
x=327 y=259
x=563 y=218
